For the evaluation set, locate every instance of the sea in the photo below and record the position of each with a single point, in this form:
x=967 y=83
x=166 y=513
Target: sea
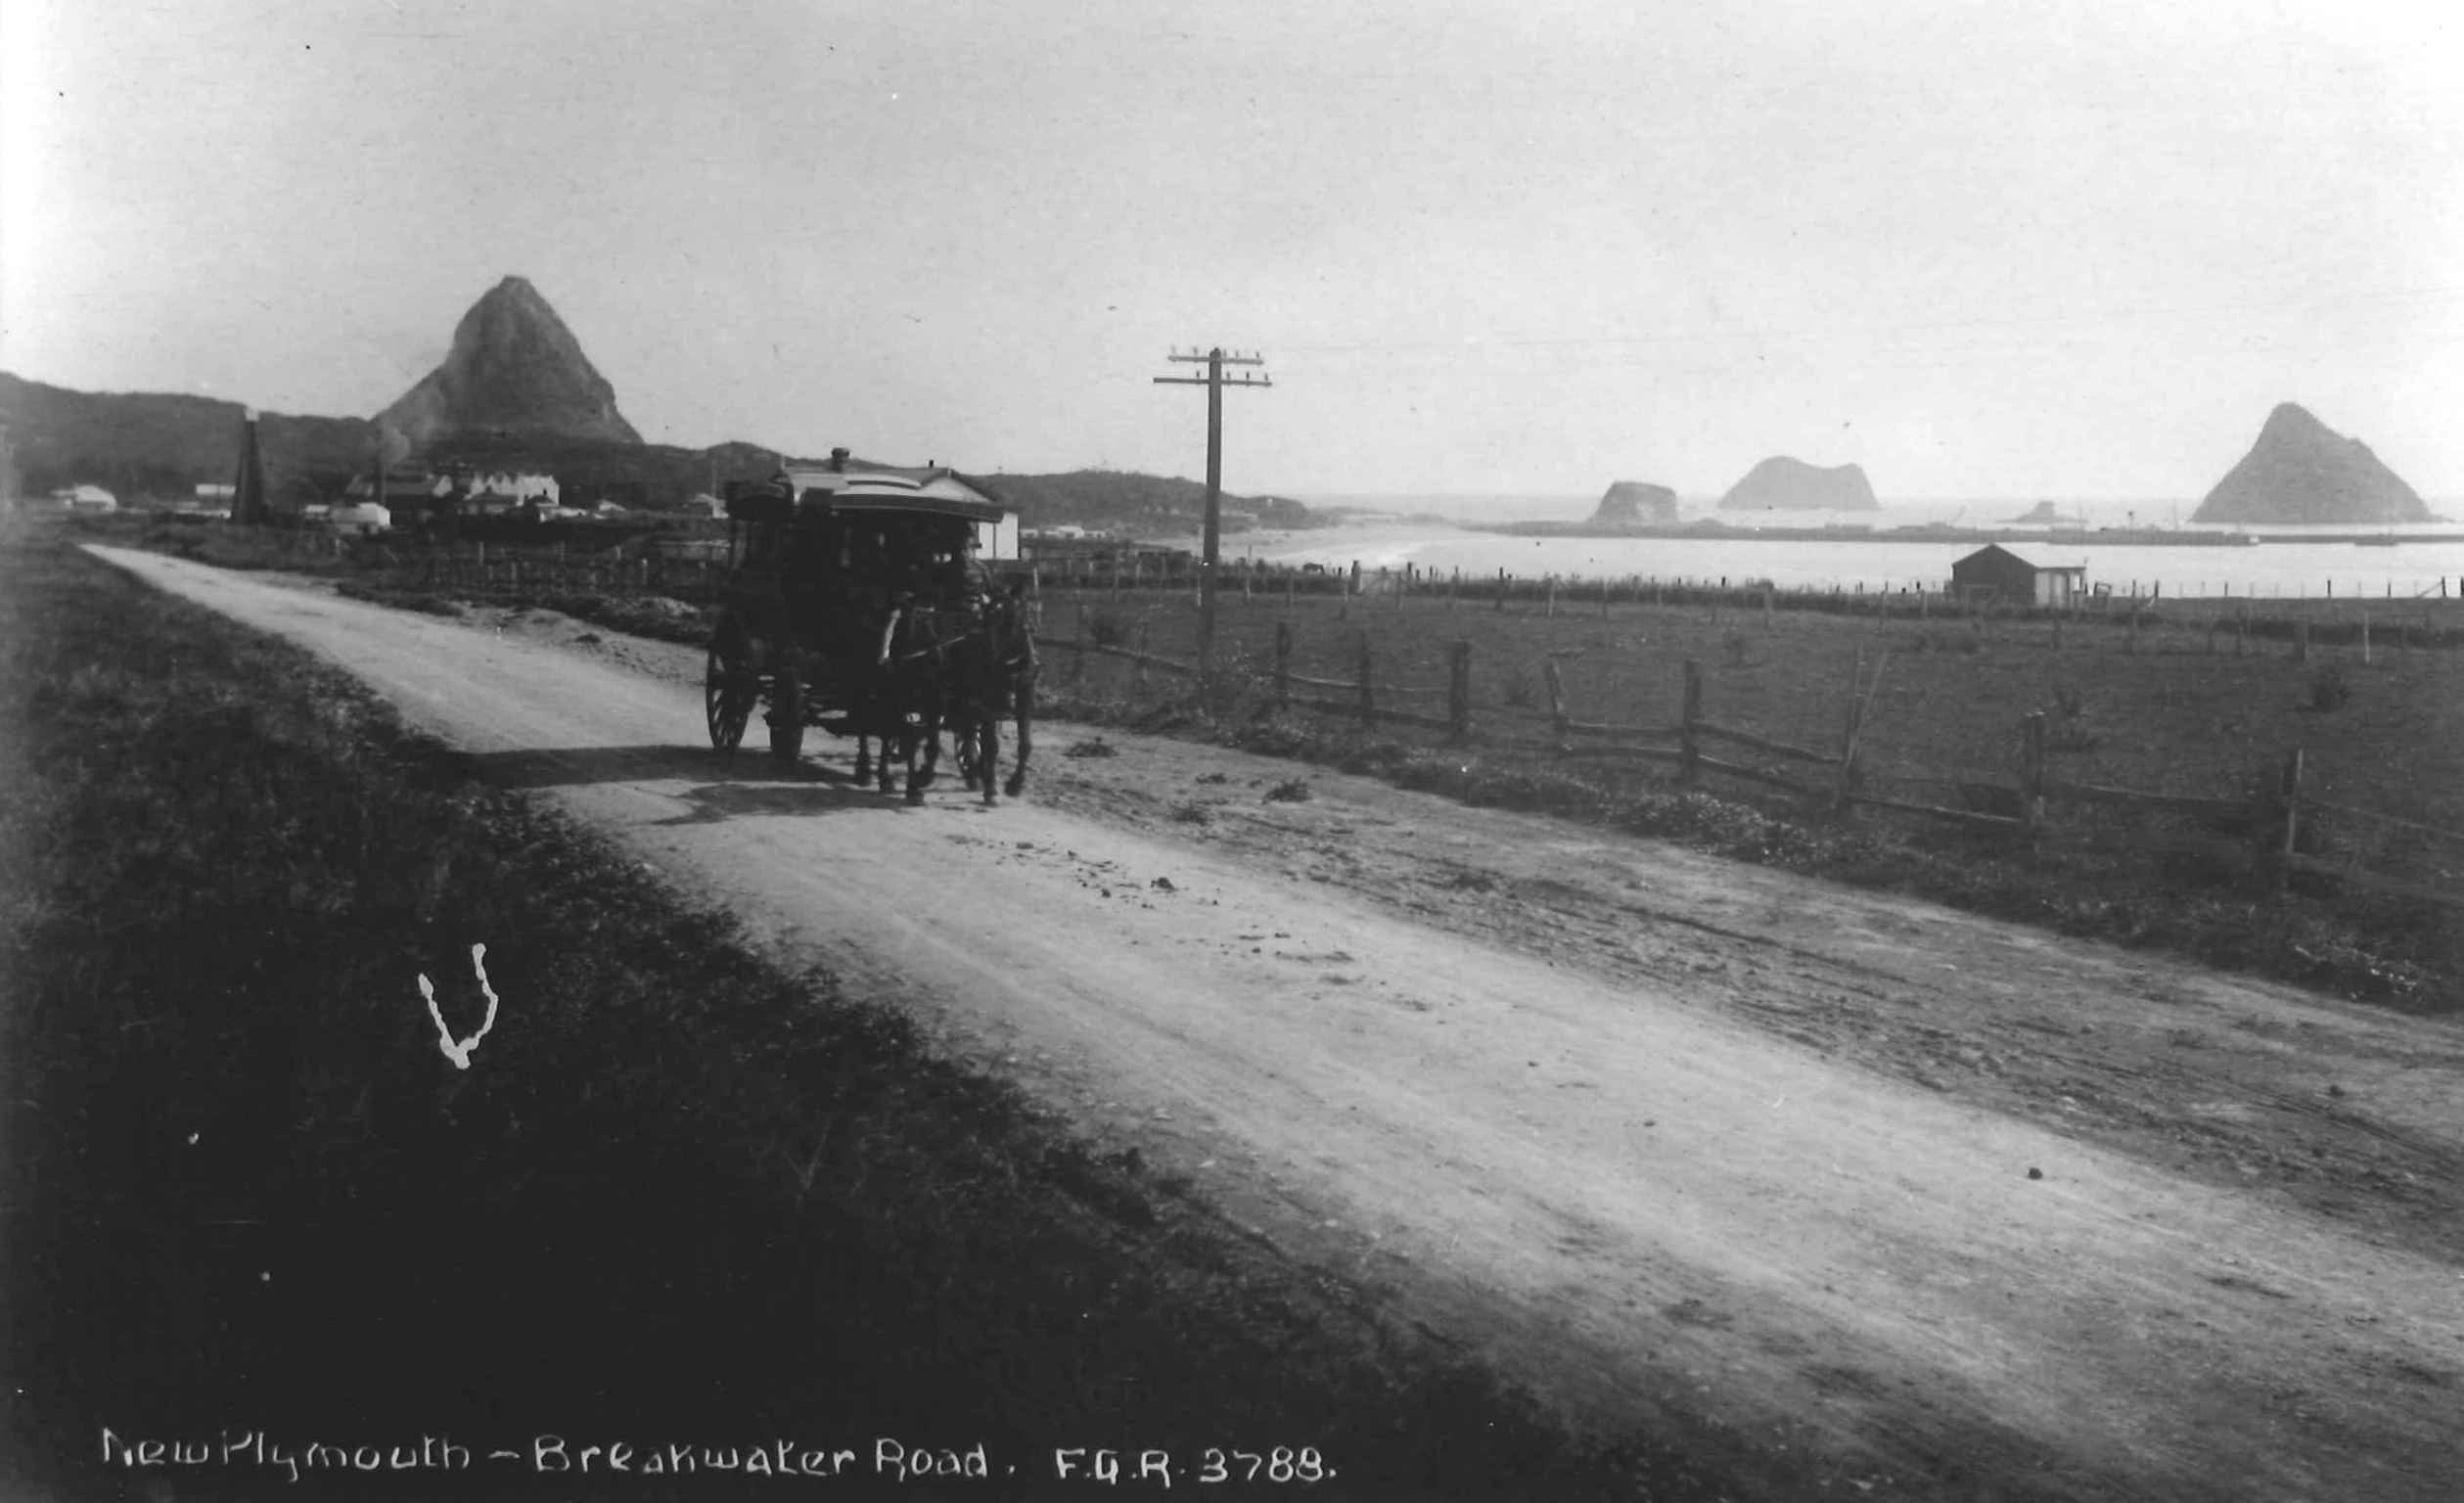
x=1430 y=533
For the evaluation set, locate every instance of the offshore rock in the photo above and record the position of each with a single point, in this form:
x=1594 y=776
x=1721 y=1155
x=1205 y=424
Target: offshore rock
x=2302 y=471
x=1783 y=485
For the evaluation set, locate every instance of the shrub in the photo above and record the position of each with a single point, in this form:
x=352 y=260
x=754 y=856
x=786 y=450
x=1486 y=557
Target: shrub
x=2329 y=688
x=1289 y=791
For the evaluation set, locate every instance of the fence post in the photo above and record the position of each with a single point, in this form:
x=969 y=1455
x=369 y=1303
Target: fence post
x=1138 y=664
x=1368 y=696
x=1283 y=662
x=2031 y=776
x=2365 y=639
x=1848 y=737
x=1690 y=711
x=1459 y=690
x=1454 y=590
x=1556 y=694
x=1354 y=587
x=1552 y=596
x=1087 y=640
x=1501 y=592
x=2291 y=815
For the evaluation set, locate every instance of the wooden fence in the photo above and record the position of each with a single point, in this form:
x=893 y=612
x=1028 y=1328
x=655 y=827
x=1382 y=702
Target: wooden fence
x=2267 y=830
x=2420 y=620
x=688 y=569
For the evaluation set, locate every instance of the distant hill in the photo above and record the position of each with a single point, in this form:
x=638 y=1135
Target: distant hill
x=515 y=372
x=1634 y=504
x=146 y=445
x=2302 y=471
x=1125 y=499
x=161 y=444
x=1783 y=485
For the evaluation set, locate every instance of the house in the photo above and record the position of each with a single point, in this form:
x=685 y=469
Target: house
x=489 y=489
x=995 y=539
x=1995 y=573
x=365 y=518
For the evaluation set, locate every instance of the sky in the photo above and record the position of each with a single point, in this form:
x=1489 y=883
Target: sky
x=2008 y=248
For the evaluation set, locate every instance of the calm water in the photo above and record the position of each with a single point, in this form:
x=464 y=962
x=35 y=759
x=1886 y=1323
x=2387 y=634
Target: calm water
x=2286 y=564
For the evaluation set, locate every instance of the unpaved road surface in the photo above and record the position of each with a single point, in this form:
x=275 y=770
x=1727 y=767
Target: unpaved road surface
x=1684 y=1146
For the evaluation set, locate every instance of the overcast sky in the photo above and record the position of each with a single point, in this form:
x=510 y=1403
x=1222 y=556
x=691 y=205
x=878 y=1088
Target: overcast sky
x=1998 y=248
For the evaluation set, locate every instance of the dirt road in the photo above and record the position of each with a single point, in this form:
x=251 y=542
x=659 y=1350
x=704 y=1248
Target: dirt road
x=1901 y=1202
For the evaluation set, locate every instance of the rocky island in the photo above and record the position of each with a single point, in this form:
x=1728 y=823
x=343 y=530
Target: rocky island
x=1635 y=504
x=1783 y=485
x=2302 y=471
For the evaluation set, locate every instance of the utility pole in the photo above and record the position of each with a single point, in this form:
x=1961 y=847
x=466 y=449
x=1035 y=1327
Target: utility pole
x=1213 y=380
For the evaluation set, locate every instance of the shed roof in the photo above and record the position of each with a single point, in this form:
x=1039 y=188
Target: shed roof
x=1995 y=555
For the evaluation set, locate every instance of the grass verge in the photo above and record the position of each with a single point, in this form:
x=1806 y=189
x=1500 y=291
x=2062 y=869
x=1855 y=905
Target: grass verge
x=677 y=1198
x=2396 y=952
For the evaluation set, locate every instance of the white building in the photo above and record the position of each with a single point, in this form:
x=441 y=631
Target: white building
x=504 y=489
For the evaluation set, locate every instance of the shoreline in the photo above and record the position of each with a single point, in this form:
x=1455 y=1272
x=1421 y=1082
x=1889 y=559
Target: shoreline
x=2341 y=563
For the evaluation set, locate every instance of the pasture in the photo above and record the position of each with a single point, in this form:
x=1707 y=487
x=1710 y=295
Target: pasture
x=2183 y=703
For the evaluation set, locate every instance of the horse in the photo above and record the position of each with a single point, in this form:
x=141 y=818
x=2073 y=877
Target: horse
x=990 y=670
x=973 y=663
x=899 y=700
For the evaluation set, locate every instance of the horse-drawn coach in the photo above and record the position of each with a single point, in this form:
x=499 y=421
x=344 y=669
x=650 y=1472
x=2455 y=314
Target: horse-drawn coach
x=862 y=609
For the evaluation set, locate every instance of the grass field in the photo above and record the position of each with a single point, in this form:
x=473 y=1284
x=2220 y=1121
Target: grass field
x=2171 y=708
x=679 y=1198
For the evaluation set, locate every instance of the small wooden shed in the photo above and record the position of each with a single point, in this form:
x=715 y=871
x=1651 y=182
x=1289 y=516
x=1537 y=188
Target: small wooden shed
x=1995 y=573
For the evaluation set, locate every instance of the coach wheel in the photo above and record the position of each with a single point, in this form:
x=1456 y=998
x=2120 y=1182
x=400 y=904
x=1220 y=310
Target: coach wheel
x=729 y=688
